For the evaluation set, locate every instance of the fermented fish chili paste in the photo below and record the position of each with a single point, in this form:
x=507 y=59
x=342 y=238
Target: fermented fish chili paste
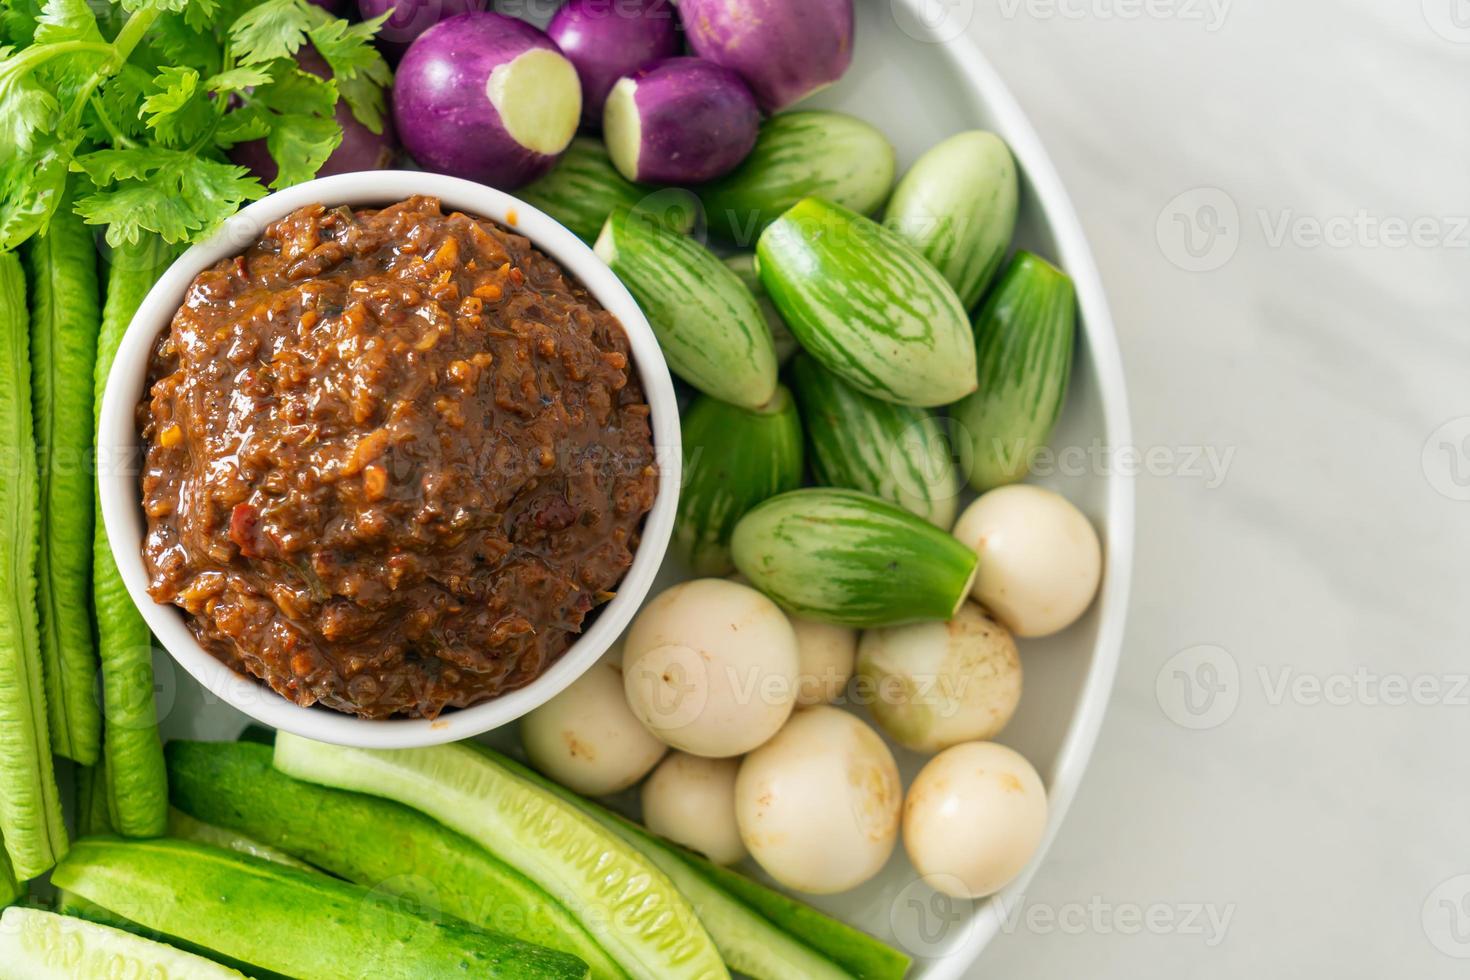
x=394 y=459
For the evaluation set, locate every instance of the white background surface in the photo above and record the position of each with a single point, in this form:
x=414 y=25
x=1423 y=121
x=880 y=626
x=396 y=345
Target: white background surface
x=1303 y=831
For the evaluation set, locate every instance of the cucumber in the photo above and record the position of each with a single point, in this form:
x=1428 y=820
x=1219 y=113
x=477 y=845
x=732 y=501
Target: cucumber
x=867 y=306
x=181 y=826
x=1025 y=335
x=30 y=803
x=857 y=952
x=733 y=459
x=10 y=889
x=849 y=558
x=890 y=451
x=373 y=842
x=830 y=155
x=750 y=944
x=743 y=265
x=38 y=945
x=957 y=205
x=628 y=905
x=293 y=922
x=585 y=188
x=707 y=322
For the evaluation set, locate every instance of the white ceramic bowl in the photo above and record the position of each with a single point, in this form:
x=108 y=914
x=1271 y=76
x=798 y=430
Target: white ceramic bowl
x=118 y=453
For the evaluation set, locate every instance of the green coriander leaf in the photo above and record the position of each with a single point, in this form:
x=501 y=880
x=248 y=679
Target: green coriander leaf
x=241 y=125
x=174 y=42
x=160 y=6
x=26 y=109
x=239 y=79
x=366 y=99
x=274 y=29
x=171 y=193
x=67 y=20
x=18 y=21
x=113 y=109
x=178 y=109
x=348 y=48
x=33 y=186
x=294 y=92
x=300 y=145
x=201 y=14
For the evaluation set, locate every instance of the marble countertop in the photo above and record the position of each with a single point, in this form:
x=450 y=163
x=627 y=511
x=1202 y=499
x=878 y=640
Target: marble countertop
x=1277 y=195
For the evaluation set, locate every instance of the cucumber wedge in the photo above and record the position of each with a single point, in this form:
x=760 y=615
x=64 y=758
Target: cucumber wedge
x=867 y=306
x=830 y=155
x=751 y=944
x=733 y=459
x=849 y=558
x=707 y=322
x=38 y=945
x=10 y=889
x=292 y=922
x=890 y=451
x=628 y=905
x=585 y=188
x=858 y=953
x=957 y=205
x=1025 y=335
x=181 y=826
x=373 y=842
x=743 y=265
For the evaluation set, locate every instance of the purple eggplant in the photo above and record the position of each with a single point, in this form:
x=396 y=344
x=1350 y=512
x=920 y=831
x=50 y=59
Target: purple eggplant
x=486 y=97
x=607 y=40
x=680 y=121
x=784 y=49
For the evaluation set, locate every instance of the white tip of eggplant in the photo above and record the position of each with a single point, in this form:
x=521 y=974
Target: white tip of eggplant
x=539 y=99
x=622 y=129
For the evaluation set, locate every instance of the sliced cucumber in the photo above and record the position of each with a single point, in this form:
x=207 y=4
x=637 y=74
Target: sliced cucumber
x=373 y=842
x=750 y=944
x=830 y=155
x=855 y=951
x=628 y=905
x=733 y=459
x=867 y=306
x=743 y=265
x=1025 y=335
x=181 y=826
x=37 y=945
x=585 y=188
x=957 y=205
x=849 y=558
x=707 y=322
x=292 y=922
x=891 y=451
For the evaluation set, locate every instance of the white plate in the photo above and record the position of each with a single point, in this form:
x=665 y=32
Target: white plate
x=920 y=86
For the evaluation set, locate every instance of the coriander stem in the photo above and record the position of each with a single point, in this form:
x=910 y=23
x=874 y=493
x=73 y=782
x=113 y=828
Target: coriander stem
x=121 y=49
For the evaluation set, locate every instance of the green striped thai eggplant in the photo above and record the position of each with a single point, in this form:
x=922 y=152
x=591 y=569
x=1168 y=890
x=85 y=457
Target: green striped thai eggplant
x=891 y=451
x=1025 y=338
x=849 y=558
x=734 y=458
x=867 y=306
x=957 y=205
x=710 y=327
